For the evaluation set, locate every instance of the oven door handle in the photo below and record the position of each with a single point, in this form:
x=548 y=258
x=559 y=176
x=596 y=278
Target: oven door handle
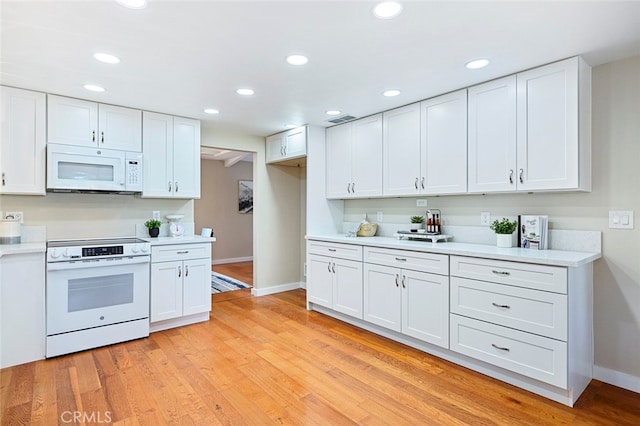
x=96 y=263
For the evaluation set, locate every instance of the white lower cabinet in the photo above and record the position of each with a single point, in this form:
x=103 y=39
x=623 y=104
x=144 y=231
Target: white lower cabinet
x=516 y=316
x=335 y=282
x=180 y=284
x=412 y=302
x=530 y=325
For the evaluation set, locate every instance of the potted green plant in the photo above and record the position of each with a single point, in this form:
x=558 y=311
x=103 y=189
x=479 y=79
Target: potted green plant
x=154 y=227
x=503 y=229
x=417 y=222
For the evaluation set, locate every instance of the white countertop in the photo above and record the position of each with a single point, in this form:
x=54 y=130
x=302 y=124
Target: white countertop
x=543 y=257
x=23 y=248
x=185 y=239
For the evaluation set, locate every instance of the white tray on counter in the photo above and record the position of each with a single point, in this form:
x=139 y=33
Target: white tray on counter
x=423 y=236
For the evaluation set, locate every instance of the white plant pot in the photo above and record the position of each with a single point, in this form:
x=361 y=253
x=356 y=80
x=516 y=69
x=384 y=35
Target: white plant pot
x=416 y=226
x=504 y=240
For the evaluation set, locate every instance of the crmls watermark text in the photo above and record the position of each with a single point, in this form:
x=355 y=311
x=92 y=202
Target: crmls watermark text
x=85 y=417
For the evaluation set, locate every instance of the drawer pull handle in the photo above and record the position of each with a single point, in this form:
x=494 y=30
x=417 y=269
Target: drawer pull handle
x=182 y=252
x=332 y=250
x=501 y=306
x=501 y=272
x=401 y=259
x=500 y=348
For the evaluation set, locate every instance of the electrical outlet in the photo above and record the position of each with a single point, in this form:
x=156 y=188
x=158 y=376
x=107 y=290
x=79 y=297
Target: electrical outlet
x=421 y=203
x=156 y=214
x=379 y=216
x=15 y=215
x=485 y=218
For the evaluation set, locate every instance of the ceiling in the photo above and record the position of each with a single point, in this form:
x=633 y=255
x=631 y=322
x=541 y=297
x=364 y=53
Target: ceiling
x=179 y=57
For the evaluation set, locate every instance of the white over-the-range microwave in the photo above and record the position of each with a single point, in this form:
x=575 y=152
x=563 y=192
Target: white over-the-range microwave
x=85 y=169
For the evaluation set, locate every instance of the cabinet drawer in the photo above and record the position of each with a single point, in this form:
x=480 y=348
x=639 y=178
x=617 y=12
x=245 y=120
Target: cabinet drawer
x=539 y=277
x=415 y=260
x=533 y=356
x=535 y=311
x=180 y=252
x=342 y=251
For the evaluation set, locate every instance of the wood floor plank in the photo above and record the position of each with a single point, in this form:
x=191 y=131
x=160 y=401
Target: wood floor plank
x=267 y=360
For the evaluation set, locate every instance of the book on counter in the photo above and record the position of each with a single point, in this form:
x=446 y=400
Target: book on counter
x=533 y=231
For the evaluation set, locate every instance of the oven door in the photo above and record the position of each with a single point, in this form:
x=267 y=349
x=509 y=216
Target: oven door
x=91 y=293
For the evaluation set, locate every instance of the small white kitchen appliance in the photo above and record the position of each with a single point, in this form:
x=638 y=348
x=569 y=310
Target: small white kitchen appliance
x=176 y=229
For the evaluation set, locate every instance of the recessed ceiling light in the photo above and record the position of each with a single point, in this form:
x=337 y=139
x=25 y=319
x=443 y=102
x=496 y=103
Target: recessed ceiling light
x=133 y=4
x=297 y=59
x=391 y=93
x=106 y=58
x=387 y=9
x=477 y=64
x=211 y=111
x=245 y=92
x=334 y=112
x=93 y=88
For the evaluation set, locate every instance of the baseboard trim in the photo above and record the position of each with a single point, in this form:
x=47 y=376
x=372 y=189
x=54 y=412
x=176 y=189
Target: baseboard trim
x=617 y=378
x=275 y=289
x=232 y=260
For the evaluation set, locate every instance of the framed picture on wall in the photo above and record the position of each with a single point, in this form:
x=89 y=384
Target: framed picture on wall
x=245 y=196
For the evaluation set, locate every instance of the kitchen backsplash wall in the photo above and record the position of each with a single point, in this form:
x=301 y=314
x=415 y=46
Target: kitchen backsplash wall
x=91 y=215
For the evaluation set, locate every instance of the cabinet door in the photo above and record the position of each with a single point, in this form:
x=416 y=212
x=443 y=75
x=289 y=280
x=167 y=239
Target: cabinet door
x=295 y=142
x=196 y=292
x=366 y=164
x=338 y=164
x=72 y=121
x=157 y=149
x=492 y=136
x=320 y=280
x=22 y=141
x=275 y=147
x=425 y=307
x=401 y=153
x=186 y=158
x=548 y=127
x=382 y=296
x=166 y=290
x=347 y=287
x=444 y=140
x=120 y=128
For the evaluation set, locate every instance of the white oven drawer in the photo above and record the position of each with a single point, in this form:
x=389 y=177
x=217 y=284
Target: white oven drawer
x=533 y=356
x=540 y=277
x=338 y=250
x=167 y=253
x=535 y=311
x=406 y=259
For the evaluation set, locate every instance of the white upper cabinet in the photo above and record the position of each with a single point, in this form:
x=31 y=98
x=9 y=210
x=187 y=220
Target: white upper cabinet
x=443 y=135
x=531 y=131
x=84 y=123
x=553 y=121
x=492 y=136
x=425 y=147
x=402 y=165
x=354 y=159
x=171 y=152
x=287 y=145
x=22 y=141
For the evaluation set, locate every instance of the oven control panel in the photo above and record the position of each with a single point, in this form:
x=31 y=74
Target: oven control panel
x=62 y=254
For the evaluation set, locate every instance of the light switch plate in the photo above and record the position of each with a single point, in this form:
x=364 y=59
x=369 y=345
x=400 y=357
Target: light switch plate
x=621 y=219
x=379 y=217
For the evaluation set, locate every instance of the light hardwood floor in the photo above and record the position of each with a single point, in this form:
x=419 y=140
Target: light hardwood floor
x=267 y=360
x=242 y=271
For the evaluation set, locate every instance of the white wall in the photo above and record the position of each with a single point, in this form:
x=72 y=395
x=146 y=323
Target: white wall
x=217 y=208
x=91 y=215
x=616 y=186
